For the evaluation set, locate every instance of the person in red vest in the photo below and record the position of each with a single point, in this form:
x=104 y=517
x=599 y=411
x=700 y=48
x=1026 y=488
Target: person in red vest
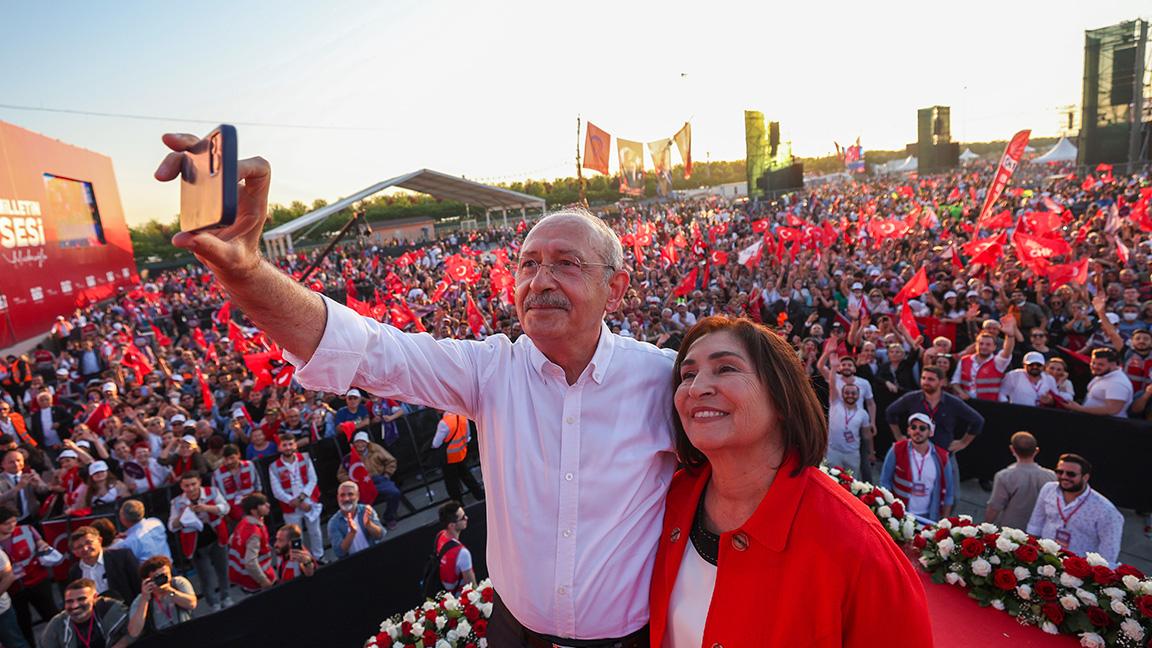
x=236 y=479
x=978 y=375
x=33 y=587
x=455 y=560
x=198 y=517
x=295 y=486
x=249 y=554
x=290 y=558
x=917 y=471
x=453 y=430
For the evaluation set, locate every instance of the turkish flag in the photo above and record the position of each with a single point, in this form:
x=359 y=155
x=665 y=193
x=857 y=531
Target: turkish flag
x=461 y=268
x=416 y=323
x=986 y=251
x=475 y=317
x=915 y=287
x=225 y=313
x=283 y=377
x=1042 y=222
x=198 y=338
x=96 y=417
x=999 y=220
x=205 y=393
x=361 y=307
x=718 y=257
x=908 y=321
x=358 y=473
x=794 y=222
x=136 y=360
x=788 y=235
x=1121 y=251
x=1065 y=273
x=687 y=285
x=761 y=225
x=161 y=339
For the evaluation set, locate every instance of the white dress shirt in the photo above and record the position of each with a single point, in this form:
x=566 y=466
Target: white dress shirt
x=1017 y=388
x=1088 y=523
x=51 y=438
x=95 y=573
x=576 y=474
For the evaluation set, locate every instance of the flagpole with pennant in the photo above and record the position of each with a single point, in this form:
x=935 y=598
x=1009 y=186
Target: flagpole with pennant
x=579 y=165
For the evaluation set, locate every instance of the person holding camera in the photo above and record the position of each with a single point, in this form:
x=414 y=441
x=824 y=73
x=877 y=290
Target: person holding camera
x=289 y=556
x=164 y=600
x=249 y=556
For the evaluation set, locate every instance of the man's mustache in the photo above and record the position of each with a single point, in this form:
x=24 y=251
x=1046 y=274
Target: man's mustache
x=546 y=300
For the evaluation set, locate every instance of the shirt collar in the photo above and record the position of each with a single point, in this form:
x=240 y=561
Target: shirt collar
x=605 y=347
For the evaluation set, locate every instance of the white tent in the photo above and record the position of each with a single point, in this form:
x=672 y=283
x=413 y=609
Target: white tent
x=907 y=165
x=968 y=155
x=1064 y=151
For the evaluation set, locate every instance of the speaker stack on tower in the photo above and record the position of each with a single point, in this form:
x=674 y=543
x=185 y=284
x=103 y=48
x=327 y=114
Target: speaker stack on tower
x=935 y=150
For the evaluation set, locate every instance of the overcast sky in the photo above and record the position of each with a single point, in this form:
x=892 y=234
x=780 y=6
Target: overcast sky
x=492 y=90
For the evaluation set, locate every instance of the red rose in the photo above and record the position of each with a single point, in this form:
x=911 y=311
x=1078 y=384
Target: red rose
x=1046 y=590
x=430 y=638
x=470 y=645
x=971 y=547
x=450 y=624
x=1129 y=570
x=1144 y=604
x=1004 y=579
x=897 y=509
x=868 y=498
x=919 y=542
x=963 y=523
x=382 y=639
x=471 y=612
x=405 y=628
x=1098 y=617
x=1054 y=612
x=486 y=595
x=1077 y=566
x=1103 y=576
x=991 y=539
x=430 y=615
x=941 y=534
x=480 y=628
x=1026 y=554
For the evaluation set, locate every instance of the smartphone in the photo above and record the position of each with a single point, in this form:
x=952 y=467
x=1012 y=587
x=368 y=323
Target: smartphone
x=297 y=543
x=208 y=190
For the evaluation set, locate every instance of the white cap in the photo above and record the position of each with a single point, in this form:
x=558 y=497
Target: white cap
x=61 y=372
x=190 y=424
x=177 y=378
x=1114 y=318
x=189 y=439
x=871 y=327
x=949 y=295
x=97 y=466
x=177 y=418
x=923 y=418
x=857 y=286
x=352 y=393
x=1033 y=357
x=237 y=413
x=68 y=454
x=360 y=436
x=84 y=443
x=972 y=293
x=108 y=386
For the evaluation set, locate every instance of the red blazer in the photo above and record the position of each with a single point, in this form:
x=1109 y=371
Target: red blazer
x=812 y=567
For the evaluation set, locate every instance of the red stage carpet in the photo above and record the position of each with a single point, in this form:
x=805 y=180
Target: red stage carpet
x=960 y=621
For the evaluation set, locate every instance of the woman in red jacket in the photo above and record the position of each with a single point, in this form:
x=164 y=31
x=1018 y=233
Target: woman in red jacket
x=759 y=548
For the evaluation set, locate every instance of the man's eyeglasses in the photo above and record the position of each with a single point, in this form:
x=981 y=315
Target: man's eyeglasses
x=1039 y=335
x=921 y=428
x=572 y=268
x=1066 y=473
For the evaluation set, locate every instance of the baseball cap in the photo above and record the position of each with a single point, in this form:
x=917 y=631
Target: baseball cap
x=108 y=386
x=857 y=286
x=1033 y=357
x=68 y=454
x=353 y=393
x=923 y=418
x=971 y=293
x=360 y=436
x=950 y=294
x=189 y=439
x=61 y=372
x=177 y=418
x=238 y=413
x=97 y=466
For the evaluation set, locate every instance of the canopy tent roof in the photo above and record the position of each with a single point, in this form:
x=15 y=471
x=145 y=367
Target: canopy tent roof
x=1064 y=151
x=968 y=155
x=906 y=165
x=433 y=183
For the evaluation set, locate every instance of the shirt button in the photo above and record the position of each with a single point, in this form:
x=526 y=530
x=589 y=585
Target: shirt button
x=560 y=591
x=568 y=477
x=567 y=533
x=570 y=420
x=739 y=542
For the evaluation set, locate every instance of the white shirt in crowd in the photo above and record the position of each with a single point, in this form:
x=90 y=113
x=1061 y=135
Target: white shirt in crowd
x=1088 y=523
x=924 y=476
x=5 y=600
x=1114 y=385
x=51 y=438
x=573 y=472
x=296 y=484
x=844 y=426
x=1016 y=388
x=95 y=573
x=864 y=386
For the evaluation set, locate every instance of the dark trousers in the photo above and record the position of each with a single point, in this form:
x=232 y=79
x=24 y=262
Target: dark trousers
x=506 y=632
x=38 y=596
x=454 y=474
x=390 y=493
x=212 y=568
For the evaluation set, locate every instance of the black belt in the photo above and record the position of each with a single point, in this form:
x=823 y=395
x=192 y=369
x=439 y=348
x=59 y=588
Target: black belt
x=638 y=639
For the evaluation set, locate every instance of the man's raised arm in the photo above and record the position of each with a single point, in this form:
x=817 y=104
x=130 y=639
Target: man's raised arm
x=289 y=313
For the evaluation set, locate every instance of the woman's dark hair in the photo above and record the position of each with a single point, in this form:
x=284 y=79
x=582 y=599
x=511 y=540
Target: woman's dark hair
x=800 y=418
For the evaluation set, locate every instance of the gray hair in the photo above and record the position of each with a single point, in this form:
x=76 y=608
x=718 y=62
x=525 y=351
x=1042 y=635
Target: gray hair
x=605 y=239
x=132 y=511
x=348 y=483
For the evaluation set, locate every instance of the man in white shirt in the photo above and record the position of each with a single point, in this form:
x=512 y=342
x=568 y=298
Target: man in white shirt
x=1110 y=391
x=1071 y=513
x=1030 y=385
x=589 y=412
x=295 y=485
x=846 y=423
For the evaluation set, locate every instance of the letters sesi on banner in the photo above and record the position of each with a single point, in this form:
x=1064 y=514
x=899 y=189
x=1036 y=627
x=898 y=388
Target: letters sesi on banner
x=63 y=239
x=1008 y=162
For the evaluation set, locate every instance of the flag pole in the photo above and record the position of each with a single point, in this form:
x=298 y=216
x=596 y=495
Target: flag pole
x=579 y=169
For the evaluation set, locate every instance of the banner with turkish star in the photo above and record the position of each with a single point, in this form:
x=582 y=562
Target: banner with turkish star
x=597 y=146
x=475 y=317
x=718 y=257
x=461 y=268
x=975 y=247
x=1029 y=248
x=699 y=248
x=1013 y=153
x=1066 y=273
x=761 y=225
x=908 y=321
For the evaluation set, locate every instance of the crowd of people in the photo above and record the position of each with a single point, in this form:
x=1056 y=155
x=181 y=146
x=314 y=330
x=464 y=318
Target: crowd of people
x=897 y=302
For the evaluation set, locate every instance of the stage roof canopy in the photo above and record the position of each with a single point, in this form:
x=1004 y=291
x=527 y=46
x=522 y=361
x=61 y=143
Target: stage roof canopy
x=433 y=183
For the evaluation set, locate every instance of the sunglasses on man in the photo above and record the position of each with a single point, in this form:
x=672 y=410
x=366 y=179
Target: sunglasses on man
x=920 y=427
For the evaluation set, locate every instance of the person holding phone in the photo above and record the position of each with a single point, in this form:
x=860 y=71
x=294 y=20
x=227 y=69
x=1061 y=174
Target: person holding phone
x=164 y=600
x=290 y=558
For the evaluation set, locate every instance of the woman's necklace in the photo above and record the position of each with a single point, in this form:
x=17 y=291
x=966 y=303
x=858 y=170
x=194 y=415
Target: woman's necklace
x=707 y=544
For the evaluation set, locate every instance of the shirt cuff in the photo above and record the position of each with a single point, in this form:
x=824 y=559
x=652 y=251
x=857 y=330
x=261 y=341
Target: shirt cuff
x=334 y=364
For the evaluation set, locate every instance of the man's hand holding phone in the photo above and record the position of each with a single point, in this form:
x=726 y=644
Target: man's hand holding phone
x=231 y=252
